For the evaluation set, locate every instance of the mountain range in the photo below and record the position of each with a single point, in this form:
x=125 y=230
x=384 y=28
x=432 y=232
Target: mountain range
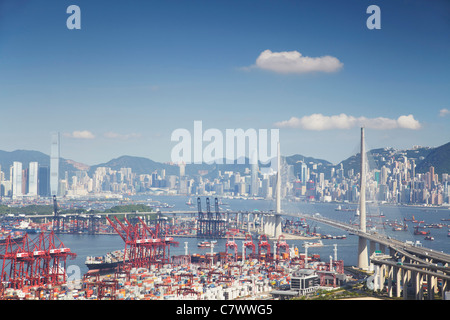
x=424 y=157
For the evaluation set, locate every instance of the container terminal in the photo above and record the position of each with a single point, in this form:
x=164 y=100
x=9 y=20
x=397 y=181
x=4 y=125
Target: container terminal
x=35 y=269
x=213 y=276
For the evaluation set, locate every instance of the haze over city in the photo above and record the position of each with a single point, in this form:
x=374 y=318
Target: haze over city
x=133 y=74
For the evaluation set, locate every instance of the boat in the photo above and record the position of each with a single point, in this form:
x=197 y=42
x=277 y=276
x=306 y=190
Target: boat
x=15 y=235
x=107 y=262
x=328 y=236
x=400 y=227
x=422 y=233
x=189 y=202
x=348 y=209
x=416 y=221
x=25 y=226
x=429 y=238
x=313 y=244
x=206 y=244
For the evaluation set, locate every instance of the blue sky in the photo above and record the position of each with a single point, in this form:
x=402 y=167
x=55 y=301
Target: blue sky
x=138 y=70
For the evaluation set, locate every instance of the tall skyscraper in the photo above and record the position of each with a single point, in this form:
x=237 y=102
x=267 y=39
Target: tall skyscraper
x=17 y=180
x=33 y=179
x=43 y=181
x=303 y=173
x=54 y=164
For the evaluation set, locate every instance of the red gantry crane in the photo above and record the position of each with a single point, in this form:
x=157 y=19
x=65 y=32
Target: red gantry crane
x=231 y=244
x=282 y=248
x=248 y=243
x=33 y=262
x=263 y=245
x=143 y=246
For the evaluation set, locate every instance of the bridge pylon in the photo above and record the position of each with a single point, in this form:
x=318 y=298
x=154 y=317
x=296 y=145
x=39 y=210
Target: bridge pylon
x=363 y=257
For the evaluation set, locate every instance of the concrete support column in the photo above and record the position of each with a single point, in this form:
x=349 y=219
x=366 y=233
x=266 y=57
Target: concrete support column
x=278 y=230
x=430 y=287
x=444 y=288
x=382 y=276
x=418 y=285
x=399 y=278
x=363 y=259
x=390 y=275
x=272 y=226
x=405 y=279
x=373 y=247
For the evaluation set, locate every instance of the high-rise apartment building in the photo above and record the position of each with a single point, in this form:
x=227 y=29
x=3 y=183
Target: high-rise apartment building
x=33 y=174
x=17 y=180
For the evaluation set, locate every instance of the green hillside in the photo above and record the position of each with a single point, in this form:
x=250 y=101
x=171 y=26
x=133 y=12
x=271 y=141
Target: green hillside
x=439 y=158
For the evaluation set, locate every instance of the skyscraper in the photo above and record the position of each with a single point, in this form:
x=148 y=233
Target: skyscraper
x=303 y=173
x=43 y=181
x=33 y=179
x=54 y=164
x=17 y=180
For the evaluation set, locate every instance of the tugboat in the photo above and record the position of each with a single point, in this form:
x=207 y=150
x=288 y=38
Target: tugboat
x=429 y=238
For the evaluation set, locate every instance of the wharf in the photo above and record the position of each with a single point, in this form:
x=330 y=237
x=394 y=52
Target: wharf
x=287 y=236
x=182 y=279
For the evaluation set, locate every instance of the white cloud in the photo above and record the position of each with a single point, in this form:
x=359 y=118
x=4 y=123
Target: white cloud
x=319 y=122
x=444 y=112
x=80 y=135
x=114 y=135
x=408 y=122
x=295 y=62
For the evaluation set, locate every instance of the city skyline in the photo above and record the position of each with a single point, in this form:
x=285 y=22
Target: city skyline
x=133 y=74
x=395 y=181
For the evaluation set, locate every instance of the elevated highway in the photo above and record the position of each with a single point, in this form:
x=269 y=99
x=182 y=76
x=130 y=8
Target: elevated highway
x=411 y=270
x=422 y=254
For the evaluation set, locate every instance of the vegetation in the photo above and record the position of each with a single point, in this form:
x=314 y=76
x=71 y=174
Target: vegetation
x=31 y=209
x=42 y=209
x=129 y=208
x=439 y=158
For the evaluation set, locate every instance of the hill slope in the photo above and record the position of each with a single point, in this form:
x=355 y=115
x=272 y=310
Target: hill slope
x=439 y=158
x=26 y=156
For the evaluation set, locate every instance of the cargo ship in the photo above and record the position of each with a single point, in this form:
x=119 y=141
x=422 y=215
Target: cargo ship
x=25 y=226
x=15 y=235
x=107 y=262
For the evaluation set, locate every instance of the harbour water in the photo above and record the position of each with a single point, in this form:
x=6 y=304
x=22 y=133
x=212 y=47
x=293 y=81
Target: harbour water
x=97 y=245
